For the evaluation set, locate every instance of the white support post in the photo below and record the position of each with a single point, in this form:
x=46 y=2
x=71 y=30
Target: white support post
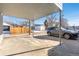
x=60 y=15
x=29 y=27
x=33 y=28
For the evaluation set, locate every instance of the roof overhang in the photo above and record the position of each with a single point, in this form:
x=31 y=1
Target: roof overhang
x=28 y=10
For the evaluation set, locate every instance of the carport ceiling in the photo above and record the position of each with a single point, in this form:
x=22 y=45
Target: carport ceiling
x=28 y=10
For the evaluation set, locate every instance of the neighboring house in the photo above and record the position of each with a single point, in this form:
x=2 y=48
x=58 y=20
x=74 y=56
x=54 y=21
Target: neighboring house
x=74 y=27
x=6 y=28
x=9 y=28
x=39 y=27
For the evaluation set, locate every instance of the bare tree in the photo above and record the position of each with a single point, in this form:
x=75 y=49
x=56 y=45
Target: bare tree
x=64 y=22
x=52 y=21
x=46 y=24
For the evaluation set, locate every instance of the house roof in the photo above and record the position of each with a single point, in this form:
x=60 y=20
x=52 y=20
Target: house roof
x=4 y=23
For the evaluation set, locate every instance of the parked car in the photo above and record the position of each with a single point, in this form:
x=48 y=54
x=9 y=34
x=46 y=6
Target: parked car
x=66 y=33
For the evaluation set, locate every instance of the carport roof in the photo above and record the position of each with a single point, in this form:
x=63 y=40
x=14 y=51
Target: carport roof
x=28 y=10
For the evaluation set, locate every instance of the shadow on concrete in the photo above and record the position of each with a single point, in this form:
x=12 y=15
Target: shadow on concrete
x=63 y=50
x=56 y=51
x=46 y=37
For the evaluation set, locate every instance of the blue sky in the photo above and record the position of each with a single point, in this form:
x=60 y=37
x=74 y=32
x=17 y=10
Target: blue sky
x=13 y=19
x=71 y=12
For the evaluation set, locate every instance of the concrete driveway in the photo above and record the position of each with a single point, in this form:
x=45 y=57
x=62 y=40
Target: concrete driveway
x=67 y=48
x=26 y=45
x=38 y=45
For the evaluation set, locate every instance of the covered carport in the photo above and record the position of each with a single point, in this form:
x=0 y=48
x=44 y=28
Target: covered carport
x=30 y=11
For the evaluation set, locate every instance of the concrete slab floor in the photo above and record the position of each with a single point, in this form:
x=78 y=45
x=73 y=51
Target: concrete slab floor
x=16 y=45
